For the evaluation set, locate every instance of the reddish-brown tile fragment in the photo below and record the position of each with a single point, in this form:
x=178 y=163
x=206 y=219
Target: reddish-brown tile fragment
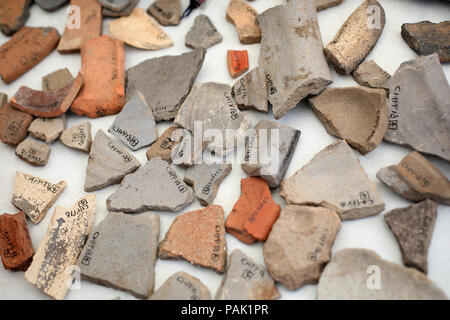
x=103 y=72
x=46 y=104
x=16 y=248
x=237 y=61
x=13 y=125
x=26 y=49
x=254 y=213
x=13 y=15
x=198 y=237
x=89 y=25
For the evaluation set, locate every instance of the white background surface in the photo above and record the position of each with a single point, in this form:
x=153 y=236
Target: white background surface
x=371 y=233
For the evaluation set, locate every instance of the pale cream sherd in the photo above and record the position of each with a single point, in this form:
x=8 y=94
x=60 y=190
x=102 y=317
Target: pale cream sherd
x=78 y=137
x=34 y=195
x=54 y=261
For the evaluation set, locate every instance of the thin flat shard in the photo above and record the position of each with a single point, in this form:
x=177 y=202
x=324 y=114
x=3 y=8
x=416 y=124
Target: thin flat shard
x=24 y=50
x=250 y=92
x=47 y=129
x=346 y=277
x=34 y=195
x=413 y=228
x=135 y=125
x=161 y=82
x=13 y=15
x=121 y=253
x=140 y=30
x=51 y=5
x=419 y=103
x=269 y=150
x=244 y=17
x=83 y=24
x=166 y=144
x=78 y=137
x=416 y=179
x=166 y=12
x=301 y=70
x=121 y=13
x=356 y=114
x=211 y=104
x=202 y=34
x=13 y=125
x=254 y=213
x=108 y=163
x=299 y=245
x=206 y=180
x=34 y=152
x=182 y=286
x=154 y=186
x=57 y=80
x=103 y=71
x=427 y=38
x=237 y=61
x=325 y=4
x=46 y=104
x=357 y=36
x=334 y=179
x=369 y=74
x=246 y=280
x=16 y=248
x=197 y=237
x=67 y=232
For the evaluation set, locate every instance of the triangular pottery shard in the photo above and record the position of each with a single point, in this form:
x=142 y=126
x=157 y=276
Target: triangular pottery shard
x=413 y=228
x=154 y=186
x=357 y=36
x=360 y=274
x=356 y=114
x=161 y=82
x=53 y=264
x=167 y=12
x=419 y=104
x=294 y=73
x=140 y=30
x=211 y=104
x=108 y=163
x=334 y=179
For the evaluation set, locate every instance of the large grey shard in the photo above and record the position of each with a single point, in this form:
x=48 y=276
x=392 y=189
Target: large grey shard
x=359 y=274
x=334 y=179
x=250 y=92
x=413 y=228
x=108 y=163
x=269 y=149
x=206 y=179
x=154 y=186
x=135 y=125
x=294 y=73
x=212 y=105
x=114 y=5
x=50 y=5
x=182 y=286
x=121 y=253
x=78 y=137
x=246 y=280
x=203 y=33
x=419 y=107
x=161 y=82
x=47 y=129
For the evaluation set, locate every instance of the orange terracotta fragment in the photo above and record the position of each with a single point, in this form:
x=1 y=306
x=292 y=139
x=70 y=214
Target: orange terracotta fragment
x=46 y=104
x=82 y=25
x=13 y=15
x=103 y=71
x=254 y=213
x=237 y=61
x=24 y=50
x=16 y=248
